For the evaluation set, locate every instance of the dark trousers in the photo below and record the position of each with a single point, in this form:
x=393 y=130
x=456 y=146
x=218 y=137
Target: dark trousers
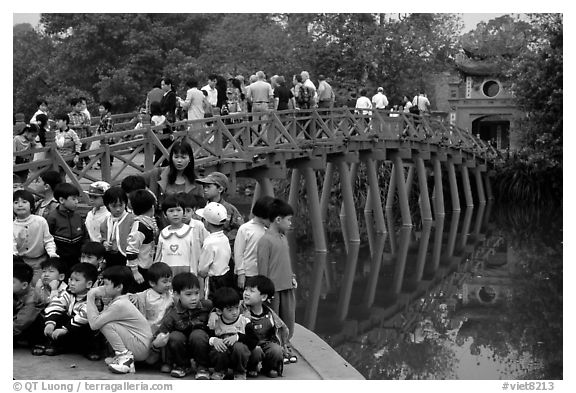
x=114 y=259
x=78 y=340
x=216 y=282
x=182 y=348
x=236 y=358
x=271 y=356
x=33 y=334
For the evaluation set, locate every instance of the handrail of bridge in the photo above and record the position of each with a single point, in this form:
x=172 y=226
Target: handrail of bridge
x=243 y=137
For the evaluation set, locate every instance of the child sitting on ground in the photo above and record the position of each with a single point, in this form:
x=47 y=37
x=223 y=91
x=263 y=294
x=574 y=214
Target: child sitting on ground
x=215 y=255
x=271 y=331
x=117 y=226
x=123 y=326
x=44 y=186
x=66 y=325
x=26 y=305
x=141 y=240
x=51 y=283
x=31 y=238
x=245 y=255
x=99 y=213
x=183 y=329
x=66 y=225
x=234 y=337
x=179 y=244
x=274 y=262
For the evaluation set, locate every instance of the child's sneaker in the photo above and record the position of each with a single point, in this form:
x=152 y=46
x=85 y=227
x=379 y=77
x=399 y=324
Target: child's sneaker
x=179 y=372
x=241 y=376
x=216 y=375
x=202 y=373
x=272 y=374
x=122 y=363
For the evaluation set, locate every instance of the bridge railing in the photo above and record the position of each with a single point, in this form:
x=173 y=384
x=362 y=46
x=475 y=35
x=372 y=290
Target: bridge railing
x=243 y=136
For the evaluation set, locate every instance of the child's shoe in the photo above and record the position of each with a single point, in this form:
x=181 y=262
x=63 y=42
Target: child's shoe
x=51 y=350
x=252 y=374
x=179 y=372
x=216 y=375
x=272 y=374
x=165 y=368
x=122 y=363
x=241 y=376
x=202 y=373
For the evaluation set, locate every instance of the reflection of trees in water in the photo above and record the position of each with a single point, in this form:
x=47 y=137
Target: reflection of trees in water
x=536 y=308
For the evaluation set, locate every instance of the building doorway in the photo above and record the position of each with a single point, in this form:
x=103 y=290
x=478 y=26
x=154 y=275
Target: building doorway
x=493 y=129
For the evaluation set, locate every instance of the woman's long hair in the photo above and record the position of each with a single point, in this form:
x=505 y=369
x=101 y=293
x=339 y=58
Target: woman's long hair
x=182 y=147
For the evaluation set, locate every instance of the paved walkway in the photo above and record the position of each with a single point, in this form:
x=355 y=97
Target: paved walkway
x=316 y=360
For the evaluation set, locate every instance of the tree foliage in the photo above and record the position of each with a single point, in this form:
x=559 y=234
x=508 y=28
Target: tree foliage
x=118 y=57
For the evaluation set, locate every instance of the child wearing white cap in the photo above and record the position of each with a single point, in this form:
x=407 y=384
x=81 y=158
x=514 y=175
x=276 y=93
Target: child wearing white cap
x=216 y=251
x=99 y=213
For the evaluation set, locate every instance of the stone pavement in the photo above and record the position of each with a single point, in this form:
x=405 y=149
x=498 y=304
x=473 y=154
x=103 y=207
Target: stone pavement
x=316 y=360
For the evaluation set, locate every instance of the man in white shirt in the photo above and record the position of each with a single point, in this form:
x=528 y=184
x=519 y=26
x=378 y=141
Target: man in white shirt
x=308 y=83
x=422 y=101
x=260 y=94
x=210 y=88
x=194 y=100
x=379 y=100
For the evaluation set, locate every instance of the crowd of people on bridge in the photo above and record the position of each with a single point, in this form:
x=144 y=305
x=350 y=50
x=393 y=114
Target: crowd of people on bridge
x=220 y=95
x=162 y=270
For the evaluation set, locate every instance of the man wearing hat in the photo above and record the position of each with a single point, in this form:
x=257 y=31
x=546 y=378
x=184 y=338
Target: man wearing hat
x=379 y=100
x=214 y=186
x=98 y=214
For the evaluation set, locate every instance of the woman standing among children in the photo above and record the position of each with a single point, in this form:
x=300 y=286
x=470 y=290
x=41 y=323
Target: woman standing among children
x=178 y=176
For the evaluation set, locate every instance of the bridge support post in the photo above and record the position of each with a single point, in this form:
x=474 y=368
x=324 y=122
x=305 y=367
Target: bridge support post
x=451 y=243
x=148 y=145
x=488 y=186
x=479 y=186
x=453 y=185
x=437 y=247
x=423 y=185
x=422 y=250
x=320 y=249
x=402 y=194
x=391 y=189
x=402 y=255
x=326 y=190
x=466 y=183
x=439 y=192
x=374 y=190
x=353 y=236
x=409 y=180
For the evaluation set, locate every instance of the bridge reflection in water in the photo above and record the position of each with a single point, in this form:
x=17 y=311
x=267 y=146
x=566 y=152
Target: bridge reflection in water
x=395 y=309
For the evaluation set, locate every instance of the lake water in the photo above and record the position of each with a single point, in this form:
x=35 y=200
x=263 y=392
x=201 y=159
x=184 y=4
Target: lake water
x=477 y=295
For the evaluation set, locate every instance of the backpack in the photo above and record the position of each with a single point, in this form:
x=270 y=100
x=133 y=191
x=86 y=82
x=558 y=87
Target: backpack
x=304 y=96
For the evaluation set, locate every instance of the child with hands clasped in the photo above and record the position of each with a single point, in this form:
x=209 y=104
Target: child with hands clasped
x=123 y=326
x=233 y=338
x=51 y=283
x=180 y=244
x=31 y=237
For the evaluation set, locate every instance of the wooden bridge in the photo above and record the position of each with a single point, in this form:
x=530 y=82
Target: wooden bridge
x=307 y=143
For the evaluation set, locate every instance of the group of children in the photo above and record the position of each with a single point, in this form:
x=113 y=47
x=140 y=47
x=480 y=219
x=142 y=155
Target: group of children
x=204 y=293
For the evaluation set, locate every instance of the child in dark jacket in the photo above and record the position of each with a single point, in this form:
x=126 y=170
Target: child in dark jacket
x=66 y=225
x=183 y=329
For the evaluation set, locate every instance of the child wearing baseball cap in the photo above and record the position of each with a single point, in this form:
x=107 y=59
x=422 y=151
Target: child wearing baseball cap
x=99 y=213
x=216 y=252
